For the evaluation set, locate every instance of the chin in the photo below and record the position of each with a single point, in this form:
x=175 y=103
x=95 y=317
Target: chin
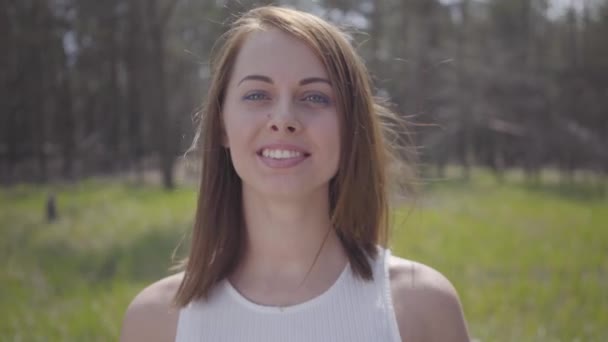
x=290 y=191
x=287 y=193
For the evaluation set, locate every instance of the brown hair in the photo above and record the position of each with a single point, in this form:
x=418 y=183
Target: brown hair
x=358 y=193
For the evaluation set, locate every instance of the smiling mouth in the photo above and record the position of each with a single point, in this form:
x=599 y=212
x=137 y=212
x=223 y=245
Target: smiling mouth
x=279 y=154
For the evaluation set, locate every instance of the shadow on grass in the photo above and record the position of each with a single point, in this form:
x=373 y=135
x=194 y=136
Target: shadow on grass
x=145 y=258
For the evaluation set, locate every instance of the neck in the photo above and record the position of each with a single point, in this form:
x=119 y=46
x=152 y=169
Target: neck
x=289 y=239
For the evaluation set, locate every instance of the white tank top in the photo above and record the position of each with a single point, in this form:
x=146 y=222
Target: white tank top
x=350 y=310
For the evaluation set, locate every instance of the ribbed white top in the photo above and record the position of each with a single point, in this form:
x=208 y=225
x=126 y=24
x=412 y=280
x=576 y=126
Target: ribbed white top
x=350 y=310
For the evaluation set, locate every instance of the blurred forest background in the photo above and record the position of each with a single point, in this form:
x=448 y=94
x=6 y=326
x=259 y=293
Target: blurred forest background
x=100 y=87
x=509 y=105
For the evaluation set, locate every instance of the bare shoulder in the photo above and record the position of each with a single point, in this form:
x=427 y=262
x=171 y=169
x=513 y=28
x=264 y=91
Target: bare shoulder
x=151 y=316
x=426 y=303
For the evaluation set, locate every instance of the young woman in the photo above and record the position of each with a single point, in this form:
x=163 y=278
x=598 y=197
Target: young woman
x=289 y=242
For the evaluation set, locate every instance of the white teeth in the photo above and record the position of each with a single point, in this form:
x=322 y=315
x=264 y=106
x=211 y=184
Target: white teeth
x=280 y=154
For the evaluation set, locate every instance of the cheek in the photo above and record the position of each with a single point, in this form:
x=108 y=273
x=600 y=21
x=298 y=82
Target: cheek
x=237 y=127
x=232 y=121
x=240 y=130
x=329 y=139
x=236 y=143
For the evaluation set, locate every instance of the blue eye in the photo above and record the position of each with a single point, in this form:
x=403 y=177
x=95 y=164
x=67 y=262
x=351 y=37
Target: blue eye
x=257 y=96
x=316 y=98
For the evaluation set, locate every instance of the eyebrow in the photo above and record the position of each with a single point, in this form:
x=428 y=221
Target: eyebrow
x=267 y=79
x=257 y=78
x=310 y=80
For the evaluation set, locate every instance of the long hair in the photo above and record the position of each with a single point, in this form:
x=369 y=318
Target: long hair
x=358 y=194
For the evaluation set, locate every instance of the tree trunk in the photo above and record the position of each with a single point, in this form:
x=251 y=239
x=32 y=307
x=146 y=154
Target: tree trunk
x=40 y=110
x=164 y=126
x=464 y=86
x=498 y=163
x=134 y=82
x=7 y=120
x=67 y=115
x=376 y=35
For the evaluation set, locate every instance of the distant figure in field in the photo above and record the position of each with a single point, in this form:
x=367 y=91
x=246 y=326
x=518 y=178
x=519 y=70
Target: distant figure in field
x=290 y=237
x=51 y=208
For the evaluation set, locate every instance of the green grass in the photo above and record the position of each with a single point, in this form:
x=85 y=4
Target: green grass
x=530 y=261
x=72 y=279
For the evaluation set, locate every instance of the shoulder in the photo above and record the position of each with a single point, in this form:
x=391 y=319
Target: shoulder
x=151 y=316
x=426 y=304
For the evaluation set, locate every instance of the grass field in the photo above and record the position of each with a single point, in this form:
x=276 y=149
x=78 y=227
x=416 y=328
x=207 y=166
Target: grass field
x=530 y=262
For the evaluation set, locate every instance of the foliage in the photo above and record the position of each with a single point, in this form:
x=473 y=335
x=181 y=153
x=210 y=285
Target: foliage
x=502 y=83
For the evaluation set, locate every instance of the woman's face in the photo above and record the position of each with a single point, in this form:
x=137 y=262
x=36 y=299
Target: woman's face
x=280 y=117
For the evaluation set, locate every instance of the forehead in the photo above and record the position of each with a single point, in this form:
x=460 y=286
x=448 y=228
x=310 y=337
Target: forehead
x=278 y=55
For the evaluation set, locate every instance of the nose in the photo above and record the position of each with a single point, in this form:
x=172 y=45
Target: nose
x=284 y=120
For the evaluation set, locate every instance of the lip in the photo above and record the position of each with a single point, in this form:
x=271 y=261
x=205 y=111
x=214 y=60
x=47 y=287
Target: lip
x=282 y=163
